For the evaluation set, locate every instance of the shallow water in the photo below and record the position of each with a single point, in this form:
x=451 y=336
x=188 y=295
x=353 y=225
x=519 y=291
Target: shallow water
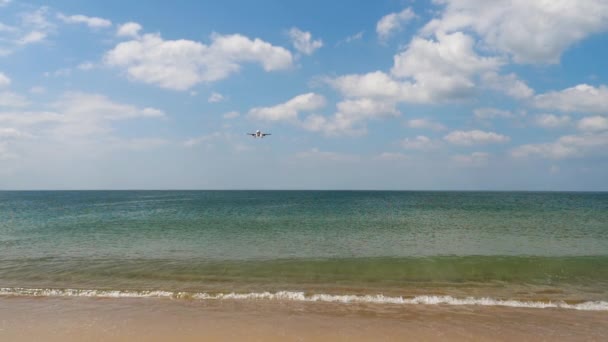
x=520 y=246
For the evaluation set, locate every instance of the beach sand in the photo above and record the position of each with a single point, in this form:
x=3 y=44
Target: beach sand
x=95 y=319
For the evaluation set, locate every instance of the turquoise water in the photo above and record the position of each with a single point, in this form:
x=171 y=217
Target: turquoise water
x=506 y=245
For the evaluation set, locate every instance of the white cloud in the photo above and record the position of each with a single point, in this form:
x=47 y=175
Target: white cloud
x=289 y=110
x=582 y=98
x=4 y=2
x=352 y=38
x=445 y=67
x=130 y=29
x=473 y=159
x=391 y=156
x=181 y=64
x=593 y=124
x=12 y=133
x=375 y=84
x=82 y=114
x=491 y=113
x=509 y=84
x=29 y=118
x=86 y=66
x=393 y=22
x=37 y=90
x=552 y=121
x=231 y=115
x=92 y=22
x=7 y=28
x=5 y=154
x=5 y=81
x=215 y=139
x=475 y=137
x=420 y=142
x=215 y=97
x=202 y=139
x=80 y=122
x=303 y=42
x=530 y=31
x=426 y=124
x=64 y=72
x=150 y=112
x=569 y=146
x=32 y=27
x=350 y=117
x=428 y=71
x=95 y=106
x=10 y=99
x=32 y=37
x=37 y=19
x=136 y=144
x=364 y=108
x=316 y=154
x=37 y=26
x=237 y=48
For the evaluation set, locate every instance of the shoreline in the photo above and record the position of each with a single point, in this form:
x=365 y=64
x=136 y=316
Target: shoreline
x=304 y=297
x=153 y=319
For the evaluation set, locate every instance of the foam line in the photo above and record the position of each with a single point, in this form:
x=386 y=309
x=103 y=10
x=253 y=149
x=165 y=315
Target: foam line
x=302 y=297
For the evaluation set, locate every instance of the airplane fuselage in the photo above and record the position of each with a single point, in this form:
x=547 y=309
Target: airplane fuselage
x=258 y=134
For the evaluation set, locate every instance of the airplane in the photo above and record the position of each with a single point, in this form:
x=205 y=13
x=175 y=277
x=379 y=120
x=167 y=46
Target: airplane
x=258 y=134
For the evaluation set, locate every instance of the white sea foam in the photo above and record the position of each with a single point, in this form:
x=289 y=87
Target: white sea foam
x=302 y=297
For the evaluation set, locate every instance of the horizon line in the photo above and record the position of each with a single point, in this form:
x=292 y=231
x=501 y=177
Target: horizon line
x=345 y=190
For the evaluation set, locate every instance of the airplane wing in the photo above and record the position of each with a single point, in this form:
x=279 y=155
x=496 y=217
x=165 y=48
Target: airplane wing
x=252 y=134
x=265 y=134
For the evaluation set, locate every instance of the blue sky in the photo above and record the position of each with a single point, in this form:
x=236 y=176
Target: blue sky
x=395 y=94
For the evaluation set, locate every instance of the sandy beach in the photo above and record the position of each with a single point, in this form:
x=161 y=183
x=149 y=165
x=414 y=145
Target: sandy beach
x=89 y=319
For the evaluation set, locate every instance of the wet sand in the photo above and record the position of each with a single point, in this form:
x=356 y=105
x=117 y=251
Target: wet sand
x=94 y=319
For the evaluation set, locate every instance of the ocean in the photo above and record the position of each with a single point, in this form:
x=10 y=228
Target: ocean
x=411 y=248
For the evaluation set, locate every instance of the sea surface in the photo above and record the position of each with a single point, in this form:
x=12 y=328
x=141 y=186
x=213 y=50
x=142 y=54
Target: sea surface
x=518 y=249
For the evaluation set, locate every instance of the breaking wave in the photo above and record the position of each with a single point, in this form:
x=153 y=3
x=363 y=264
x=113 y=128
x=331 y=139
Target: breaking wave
x=303 y=297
